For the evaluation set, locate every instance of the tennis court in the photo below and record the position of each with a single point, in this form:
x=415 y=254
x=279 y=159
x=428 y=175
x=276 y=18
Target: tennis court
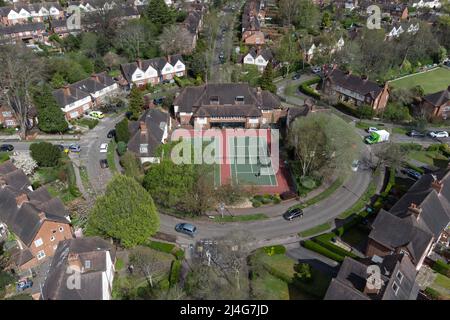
x=250 y=163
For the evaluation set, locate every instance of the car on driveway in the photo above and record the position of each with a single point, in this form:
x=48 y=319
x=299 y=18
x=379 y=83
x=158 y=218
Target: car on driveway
x=104 y=147
x=293 y=213
x=74 y=148
x=296 y=76
x=96 y=114
x=371 y=129
x=316 y=70
x=415 y=133
x=186 y=228
x=158 y=100
x=439 y=134
x=6 y=147
x=355 y=165
x=412 y=173
x=111 y=134
x=104 y=163
x=24 y=284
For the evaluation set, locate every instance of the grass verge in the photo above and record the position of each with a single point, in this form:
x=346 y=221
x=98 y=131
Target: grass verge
x=110 y=156
x=315 y=230
x=248 y=217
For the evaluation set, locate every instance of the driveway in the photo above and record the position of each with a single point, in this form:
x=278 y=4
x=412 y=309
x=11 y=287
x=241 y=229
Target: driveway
x=317 y=261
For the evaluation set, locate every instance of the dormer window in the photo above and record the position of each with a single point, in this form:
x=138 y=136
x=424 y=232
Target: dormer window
x=143 y=148
x=239 y=100
x=399 y=276
x=87 y=264
x=214 y=100
x=395 y=287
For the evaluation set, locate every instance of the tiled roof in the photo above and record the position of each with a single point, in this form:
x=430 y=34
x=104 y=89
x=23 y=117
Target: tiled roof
x=354 y=83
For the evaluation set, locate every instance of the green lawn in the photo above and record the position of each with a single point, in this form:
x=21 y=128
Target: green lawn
x=431 y=82
x=110 y=156
x=248 y=217
x=315 y=230
x=4 y=156
x=361 y=203
x=442 y=285
x=434 y=158
x=269 y=287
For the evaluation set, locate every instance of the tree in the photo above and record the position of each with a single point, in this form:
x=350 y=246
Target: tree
x=202 y=196
x=50 y=116
x=266 y=80
x=389 y=154
x=132 y=166
x=308 y=15
x=20 y=70
x=175 y=40
x=111 y=60
x=326 y=20
x=24 y=162
x=287 y=51
x=131 y=39
x=122 y=131
x=136 y=102
x=198 y=64
x=323 y=142
x=125 y=212
x=396 y=113
x=303 y=272
x=147 y=263
x=159 y=13
x=45 y=154
x=289 y=11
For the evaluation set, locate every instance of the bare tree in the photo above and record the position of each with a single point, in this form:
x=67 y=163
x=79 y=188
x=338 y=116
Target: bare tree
x=20 y=70
x=147 y=263
x=289 y=10
x=175 y=39
x=131 y=38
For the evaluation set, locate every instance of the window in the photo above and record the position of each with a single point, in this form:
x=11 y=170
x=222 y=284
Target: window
x=167 y=69
x=87 y=264
x=7 y=114
x=260 y=60
x=179 y=66
x=52 y=238
x=399 y=276
x=61 y=229
x=40 y=255
x=143 y=148
x=38 y=242
x=395 y=287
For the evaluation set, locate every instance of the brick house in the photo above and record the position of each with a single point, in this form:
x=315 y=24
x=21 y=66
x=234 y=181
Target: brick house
x=227 y=105
x=417 y=223
x=153 y=71
x=397 y=280
x=94 y=259
x=27 y=32
x=252 y=18
x=193 y=24
x=7 y=118
x=354 y=90
x=37 y=220
x=77 y=98
x=437 y=105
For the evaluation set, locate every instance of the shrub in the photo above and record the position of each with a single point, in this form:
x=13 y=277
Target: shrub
x=433 y=294
x=179 y=254
x=119 y=264
x=277 y=249
x=121 y=148
x=122 y=133
x=161 y=246
x=405 y=147
x=308 y=182
x=434 y=147
x=442 y=268
x=175 y=272
x=305 y=87
x=303 y=272
x=45 y=154
x=256 y=204
x=411 y=166
x=341 y=106
x=333 y=248
x=311 y=245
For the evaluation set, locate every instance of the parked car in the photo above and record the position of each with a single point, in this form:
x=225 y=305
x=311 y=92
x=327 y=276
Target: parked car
x=6 y=147
x=104 y=147
x=128 y=114
x=111 y=134
x=414 y=133
x=316 y=70
x=96 y=114
x=355 y=165
x=61 y=147
x=293 y=213
x=296 y=76
x=439 y=134
x=412 y=173
x=104 y=163
x=158 y=100
x=186 y=228
x=74 y=148
x=371 y=129
x=24 y=284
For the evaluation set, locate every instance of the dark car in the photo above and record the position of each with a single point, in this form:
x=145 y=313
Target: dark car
x=128 y=114
x=6 y=147
x=186 y=228
x=158 y=100
x=60 y=147
x=296 y=76
x=104 y=163
x=293 y=213
x=414 y=133
x=111 y=133
x=412 y=173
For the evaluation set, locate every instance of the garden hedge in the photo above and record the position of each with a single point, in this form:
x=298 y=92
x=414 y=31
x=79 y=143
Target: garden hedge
x=277 y=249
x=311 y=245
x=175 y=270
x=161 y=246
x=442 y=268
x=334 y=248
x=306 y=89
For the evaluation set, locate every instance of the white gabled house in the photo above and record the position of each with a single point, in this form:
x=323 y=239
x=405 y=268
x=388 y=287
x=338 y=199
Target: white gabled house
x=257 y=57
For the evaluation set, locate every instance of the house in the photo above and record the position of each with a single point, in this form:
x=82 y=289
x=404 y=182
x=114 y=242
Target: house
x=75 y=99
x=252 y=18
x=396 y=279
x=7 y=117
x=37 y=220
x=92 y=260
x=153 y=71
x=417 y=223
x=27 y=32
x=60 y=28
x=193 y=24
x=353 y=89
x=437 y=105
x=435 y=4
x=227 y=105
x=258 y=57
x=33 y=12
x=148 y=133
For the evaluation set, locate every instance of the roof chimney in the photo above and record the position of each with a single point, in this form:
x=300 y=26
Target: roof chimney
x=143 y=127
x=169 y=59
x=74 y=261
x=66 y=90
x=365 y=78
x=139 y=63
x=414 y=210
x=437 y=185
x=21 y=199
x=373 y=285
x=95 y=77
x=349 y=72
x=41 y=216
x=3 y=182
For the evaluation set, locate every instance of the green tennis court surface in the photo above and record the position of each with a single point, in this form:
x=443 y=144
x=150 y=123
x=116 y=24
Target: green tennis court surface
x=247 y=167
